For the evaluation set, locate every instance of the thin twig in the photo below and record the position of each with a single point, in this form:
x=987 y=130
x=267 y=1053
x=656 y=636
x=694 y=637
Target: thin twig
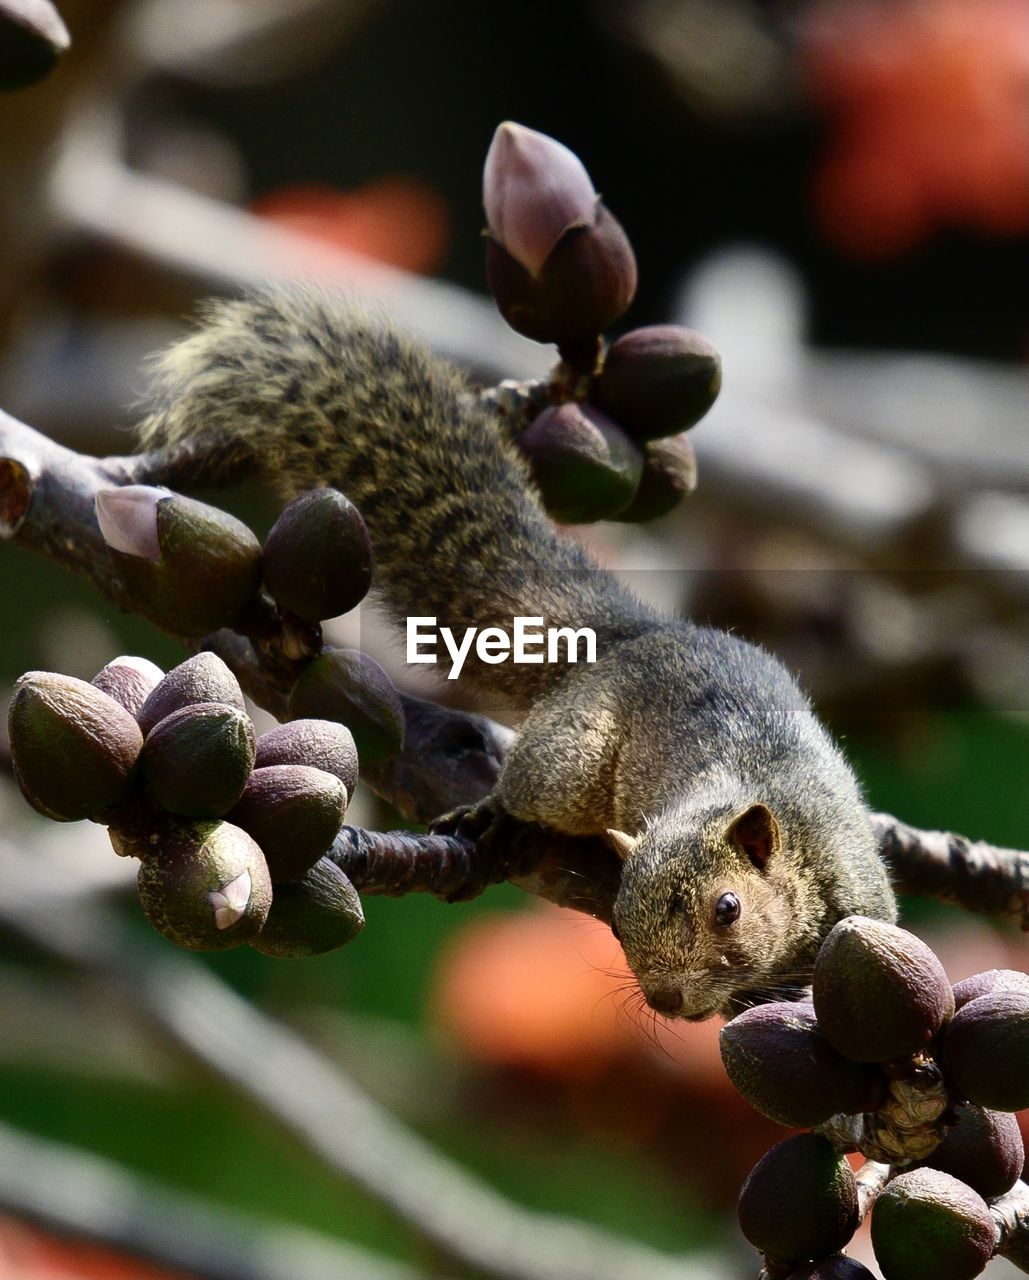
x=316 y=1103
x=74 y=1193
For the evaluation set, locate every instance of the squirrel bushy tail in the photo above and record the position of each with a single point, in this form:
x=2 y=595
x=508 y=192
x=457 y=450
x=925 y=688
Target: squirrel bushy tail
x=319 y=392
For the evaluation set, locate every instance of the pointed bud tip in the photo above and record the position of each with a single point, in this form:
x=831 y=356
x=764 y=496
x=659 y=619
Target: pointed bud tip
x=534 y=188
x=128 y=519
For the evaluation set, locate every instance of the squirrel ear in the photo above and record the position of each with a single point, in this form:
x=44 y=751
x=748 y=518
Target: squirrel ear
x=756 y=832
x=622 y=844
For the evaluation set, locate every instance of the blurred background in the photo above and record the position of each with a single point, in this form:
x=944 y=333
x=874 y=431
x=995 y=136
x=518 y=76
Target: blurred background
x=836 y=193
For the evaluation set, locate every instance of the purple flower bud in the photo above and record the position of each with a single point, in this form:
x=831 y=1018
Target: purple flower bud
x=533 y=190
x=128 y=680
x=348 y=686
x=928 y=1224
x=128 y=519
x=799 y=1201
x=74 y=748
x=294 y=813
x=585 y=466
x=316 y=913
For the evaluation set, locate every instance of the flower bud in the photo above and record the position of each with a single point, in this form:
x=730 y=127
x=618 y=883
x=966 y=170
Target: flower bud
x=322 y=744
x=190 y=568
x=74 y=748
x=586 y=283
x=983 y=984
x=317 y=913
x=533 y=189
x=880 y=993
x=586 y=467
x=206 y=886
x=32 y=38
x=559 y=265
x=197 y=760
x=927 y=1225
x=669 y=474
x=799 y=1201
x=202 y=678
x=128 y=681
x=983 y=1149
x=777 y=1058
x=986 y=1051
x=348 y=686
x=659 y=380
x=317 y=556
x=294 y=813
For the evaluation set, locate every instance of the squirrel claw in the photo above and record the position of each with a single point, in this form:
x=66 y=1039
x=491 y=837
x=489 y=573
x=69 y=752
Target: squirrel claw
x=467 y=821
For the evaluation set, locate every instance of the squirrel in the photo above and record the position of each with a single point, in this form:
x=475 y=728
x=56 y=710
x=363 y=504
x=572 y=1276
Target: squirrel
x=743 y=830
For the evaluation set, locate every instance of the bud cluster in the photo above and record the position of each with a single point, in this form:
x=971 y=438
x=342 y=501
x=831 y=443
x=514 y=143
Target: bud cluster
x=232 y=830
x=192 y=568
x=562 y=270
x=886 y=1059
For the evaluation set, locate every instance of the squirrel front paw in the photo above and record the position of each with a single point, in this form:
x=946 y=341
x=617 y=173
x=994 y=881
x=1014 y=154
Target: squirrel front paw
x=467 y=821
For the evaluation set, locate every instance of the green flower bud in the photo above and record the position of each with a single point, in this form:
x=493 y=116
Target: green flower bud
x=74 y=748
x=586 y=467
x=191 y=568
x=206 y=886
x=317 y=556
x=320 y=912
x=986 y=1051
x=202 y=678
x=799 y=1201
x=294 y=813
x=669 y=475
x=777 y=1058
x=983 y=1149
x=927 y=1225
x=880 y=993
x=658 y=381
x=983 y=984
x=348 y=686
x=197 y=760
x=32 y=38
x=322 y=744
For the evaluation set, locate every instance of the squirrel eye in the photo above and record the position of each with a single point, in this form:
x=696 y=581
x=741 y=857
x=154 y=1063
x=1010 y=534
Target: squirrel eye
x=727 y=909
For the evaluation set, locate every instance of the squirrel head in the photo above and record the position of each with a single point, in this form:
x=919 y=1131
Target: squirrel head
x=710 y=909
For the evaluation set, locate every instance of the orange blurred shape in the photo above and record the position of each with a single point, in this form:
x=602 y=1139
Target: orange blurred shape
x=27 y=1253
x=396 y=220
x=929 y=108
x=549 y=991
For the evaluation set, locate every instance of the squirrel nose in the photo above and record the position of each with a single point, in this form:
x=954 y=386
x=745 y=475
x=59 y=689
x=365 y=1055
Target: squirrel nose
x=665 y=999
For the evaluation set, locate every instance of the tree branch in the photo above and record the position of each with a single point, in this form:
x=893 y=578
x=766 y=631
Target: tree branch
x=451 y=758
x=73 y=1193
x=953 y=868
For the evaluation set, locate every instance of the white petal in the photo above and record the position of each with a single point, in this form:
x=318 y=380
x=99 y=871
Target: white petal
x=230 y=901
x=128 y=519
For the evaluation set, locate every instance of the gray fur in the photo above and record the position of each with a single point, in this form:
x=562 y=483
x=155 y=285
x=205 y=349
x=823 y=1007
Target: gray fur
x=674 y=732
